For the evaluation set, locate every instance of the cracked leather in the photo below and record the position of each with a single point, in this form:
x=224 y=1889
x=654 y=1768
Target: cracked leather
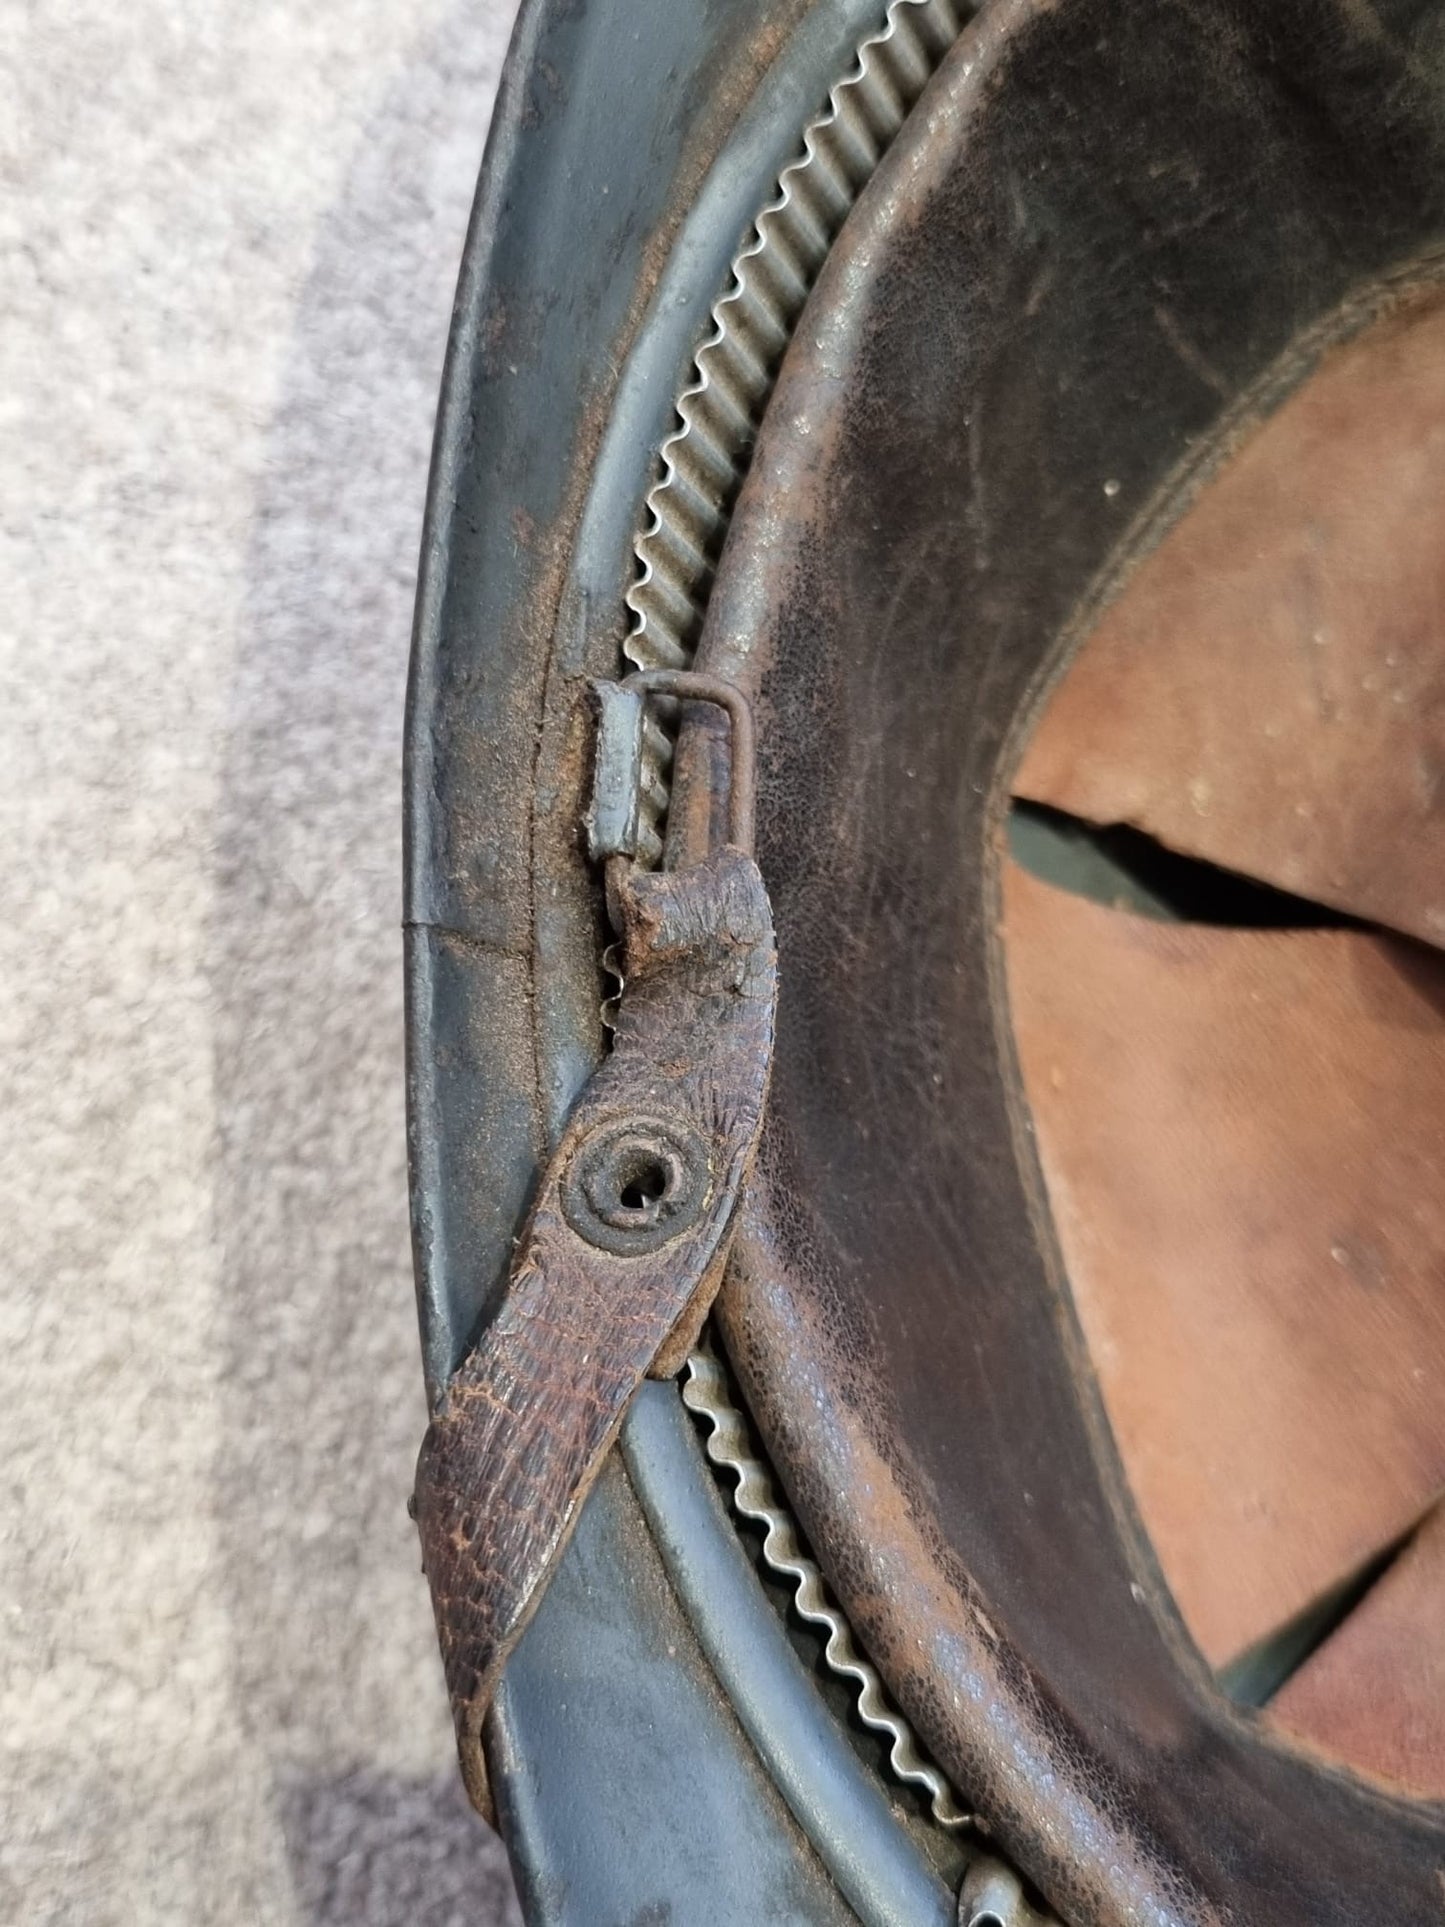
x=1106 y=231
x=593 y=1306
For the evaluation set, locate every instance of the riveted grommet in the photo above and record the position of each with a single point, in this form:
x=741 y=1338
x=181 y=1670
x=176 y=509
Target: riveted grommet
x=634 y=1184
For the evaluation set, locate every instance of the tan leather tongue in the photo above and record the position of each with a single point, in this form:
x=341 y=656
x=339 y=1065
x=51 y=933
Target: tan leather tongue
x=1268 y=690
x=1374 y=1694
x=1240 y=1131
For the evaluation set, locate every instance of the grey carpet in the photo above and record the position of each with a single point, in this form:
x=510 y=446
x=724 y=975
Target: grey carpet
x=231 y=237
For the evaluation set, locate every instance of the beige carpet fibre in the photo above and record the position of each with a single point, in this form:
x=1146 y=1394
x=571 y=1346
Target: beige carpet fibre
x=231 y=231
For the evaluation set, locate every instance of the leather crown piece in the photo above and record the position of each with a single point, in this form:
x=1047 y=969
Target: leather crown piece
x=1054 y=1146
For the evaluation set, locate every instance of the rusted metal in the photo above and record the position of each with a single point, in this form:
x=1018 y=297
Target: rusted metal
x=691 y=685
x=614 y=825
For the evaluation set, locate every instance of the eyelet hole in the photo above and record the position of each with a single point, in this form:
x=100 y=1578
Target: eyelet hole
x=636 y=1184
x=644 y=1186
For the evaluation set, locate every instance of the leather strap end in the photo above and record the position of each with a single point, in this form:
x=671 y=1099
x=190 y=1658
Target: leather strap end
x=614 y=1274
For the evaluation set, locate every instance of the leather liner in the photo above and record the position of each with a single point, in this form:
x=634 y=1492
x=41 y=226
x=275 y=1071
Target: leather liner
x=1036 y=319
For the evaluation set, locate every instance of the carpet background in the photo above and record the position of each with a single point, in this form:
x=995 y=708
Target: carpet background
x=230 y=233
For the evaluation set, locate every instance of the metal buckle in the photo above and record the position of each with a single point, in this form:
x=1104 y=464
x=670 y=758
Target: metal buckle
x=613 y=816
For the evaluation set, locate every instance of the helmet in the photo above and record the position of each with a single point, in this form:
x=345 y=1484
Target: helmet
x=927 y=1024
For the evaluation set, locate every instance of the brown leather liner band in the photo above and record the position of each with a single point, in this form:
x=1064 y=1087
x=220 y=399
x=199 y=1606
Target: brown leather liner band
x=1102 y=227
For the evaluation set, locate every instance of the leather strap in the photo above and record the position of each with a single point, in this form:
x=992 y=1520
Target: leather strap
x=615 y=1272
